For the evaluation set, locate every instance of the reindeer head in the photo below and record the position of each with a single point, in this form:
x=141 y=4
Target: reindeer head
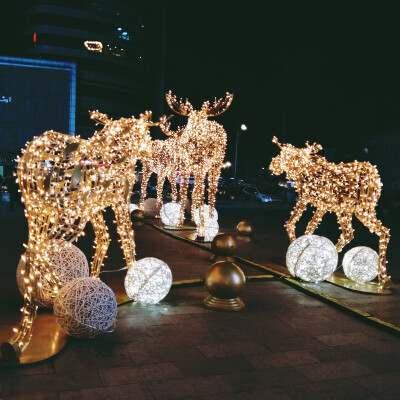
x=186 y=109
x=291 y=158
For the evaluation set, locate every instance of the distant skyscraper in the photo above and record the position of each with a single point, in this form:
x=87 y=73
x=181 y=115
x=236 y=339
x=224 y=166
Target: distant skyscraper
x=106 y=40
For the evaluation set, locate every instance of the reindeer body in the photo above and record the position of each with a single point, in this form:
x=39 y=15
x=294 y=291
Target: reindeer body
x=67 y=181
x=346 y=189
x=164 y=162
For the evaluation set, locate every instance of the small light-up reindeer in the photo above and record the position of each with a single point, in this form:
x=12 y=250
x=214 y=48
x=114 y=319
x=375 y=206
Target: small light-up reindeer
x=346 y=189
x=202 y=145
x=164 y=162
x=65 y=182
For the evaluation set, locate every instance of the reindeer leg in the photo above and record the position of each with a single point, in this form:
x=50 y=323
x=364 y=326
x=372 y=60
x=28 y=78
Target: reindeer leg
x=172 y=181
x=124 y=228
x=143 y=187
x=296 y=214
x=315 y=221
x=374 y=225
x=183 y=190
x=160 y=187
x=198 y=192
x=213 y=177
x=347 y=235
x=102 y=241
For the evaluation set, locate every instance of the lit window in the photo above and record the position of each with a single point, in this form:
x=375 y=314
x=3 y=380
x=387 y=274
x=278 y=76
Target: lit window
x=94 y=46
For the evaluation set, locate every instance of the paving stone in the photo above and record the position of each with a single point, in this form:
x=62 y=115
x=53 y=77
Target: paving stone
x=380 y=384
x=266 y=378
x=56 y=382
x=137 y=374
x=5 y=385
x=167 y=354
x=281 y=359
x=230 y=349
x=184 y=388
x=333 y=370
x=33 y=396
x=123 y=392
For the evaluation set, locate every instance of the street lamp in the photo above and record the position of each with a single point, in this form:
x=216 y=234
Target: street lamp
x=243 y=127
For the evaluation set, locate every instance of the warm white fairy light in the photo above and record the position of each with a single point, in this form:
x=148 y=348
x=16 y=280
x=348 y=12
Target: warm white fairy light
x=312 y=258
x=65 y=182
x=346 y=189
x=361 y=264
x=201 y=146
x=149 y=280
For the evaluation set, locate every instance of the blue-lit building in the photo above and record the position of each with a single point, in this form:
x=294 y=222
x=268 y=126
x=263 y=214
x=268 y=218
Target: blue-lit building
x=35 y=96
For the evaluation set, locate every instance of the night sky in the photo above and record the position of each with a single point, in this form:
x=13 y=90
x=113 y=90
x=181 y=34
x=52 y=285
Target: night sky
x=327 y=73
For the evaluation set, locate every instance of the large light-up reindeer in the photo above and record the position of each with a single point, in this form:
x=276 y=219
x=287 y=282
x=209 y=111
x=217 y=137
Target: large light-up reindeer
x=346 y=189
x=65 y=182
x=164 y=162
x=202 y=145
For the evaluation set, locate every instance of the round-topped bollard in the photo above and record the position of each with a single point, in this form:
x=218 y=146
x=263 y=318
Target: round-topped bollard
x=224 y=281
x=138 y=217
x=244 y=230
x=224 y=247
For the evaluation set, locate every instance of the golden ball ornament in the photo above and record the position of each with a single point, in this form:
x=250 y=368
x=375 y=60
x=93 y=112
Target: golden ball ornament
x=224 y=281
x=223 y=244
x=244 y=228
x=138 y=215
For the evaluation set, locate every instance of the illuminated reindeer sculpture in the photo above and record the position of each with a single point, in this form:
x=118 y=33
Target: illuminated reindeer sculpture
x=202 y=145
x=163 y=161
x=346 y=189
x=66 y=182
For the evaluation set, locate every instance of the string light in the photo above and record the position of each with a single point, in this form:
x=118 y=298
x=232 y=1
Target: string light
x=65 y=182
x=201 y=146
x=346 y=189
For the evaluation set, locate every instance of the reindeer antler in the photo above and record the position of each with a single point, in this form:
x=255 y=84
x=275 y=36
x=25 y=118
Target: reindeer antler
x=275 y=140
x=219 y=106
x=99 y=117
x=180 y=107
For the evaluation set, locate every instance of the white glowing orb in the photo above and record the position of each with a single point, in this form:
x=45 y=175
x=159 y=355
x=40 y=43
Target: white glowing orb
x=148 y=280
x=361 y=264
x=209 y=232
x=312 y=258
x=207 y=216
x=85 y=307
x=151 y=207
x=133 y=207
x=170 y=213
x=67 y=262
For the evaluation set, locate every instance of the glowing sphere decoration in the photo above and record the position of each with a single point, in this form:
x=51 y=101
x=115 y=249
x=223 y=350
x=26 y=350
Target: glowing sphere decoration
x=170 y=213
x=210 y=231
x=207 y=216
x=312 y=258
x=85 y=307
x=148 y=280
x=67 y=263
x=361 y=264
x=151 y=207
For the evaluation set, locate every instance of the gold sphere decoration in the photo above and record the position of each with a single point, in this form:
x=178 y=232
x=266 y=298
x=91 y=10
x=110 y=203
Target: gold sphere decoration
x=224 y=281
x=244 y=228
x=223 y=245
x=138 y=215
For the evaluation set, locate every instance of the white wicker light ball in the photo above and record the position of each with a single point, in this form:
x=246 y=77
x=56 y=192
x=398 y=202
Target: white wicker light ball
x=360 y=264
x=148 y=280
x=133 y=207
x=85 y=307
x=211 y=230
x=312 y=258
x=207 y=217
x=170 y=213
x=151 y=207
x=68 y=262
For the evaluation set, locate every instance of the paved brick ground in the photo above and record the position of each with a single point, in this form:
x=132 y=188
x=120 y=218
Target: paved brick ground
x=283 y=345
